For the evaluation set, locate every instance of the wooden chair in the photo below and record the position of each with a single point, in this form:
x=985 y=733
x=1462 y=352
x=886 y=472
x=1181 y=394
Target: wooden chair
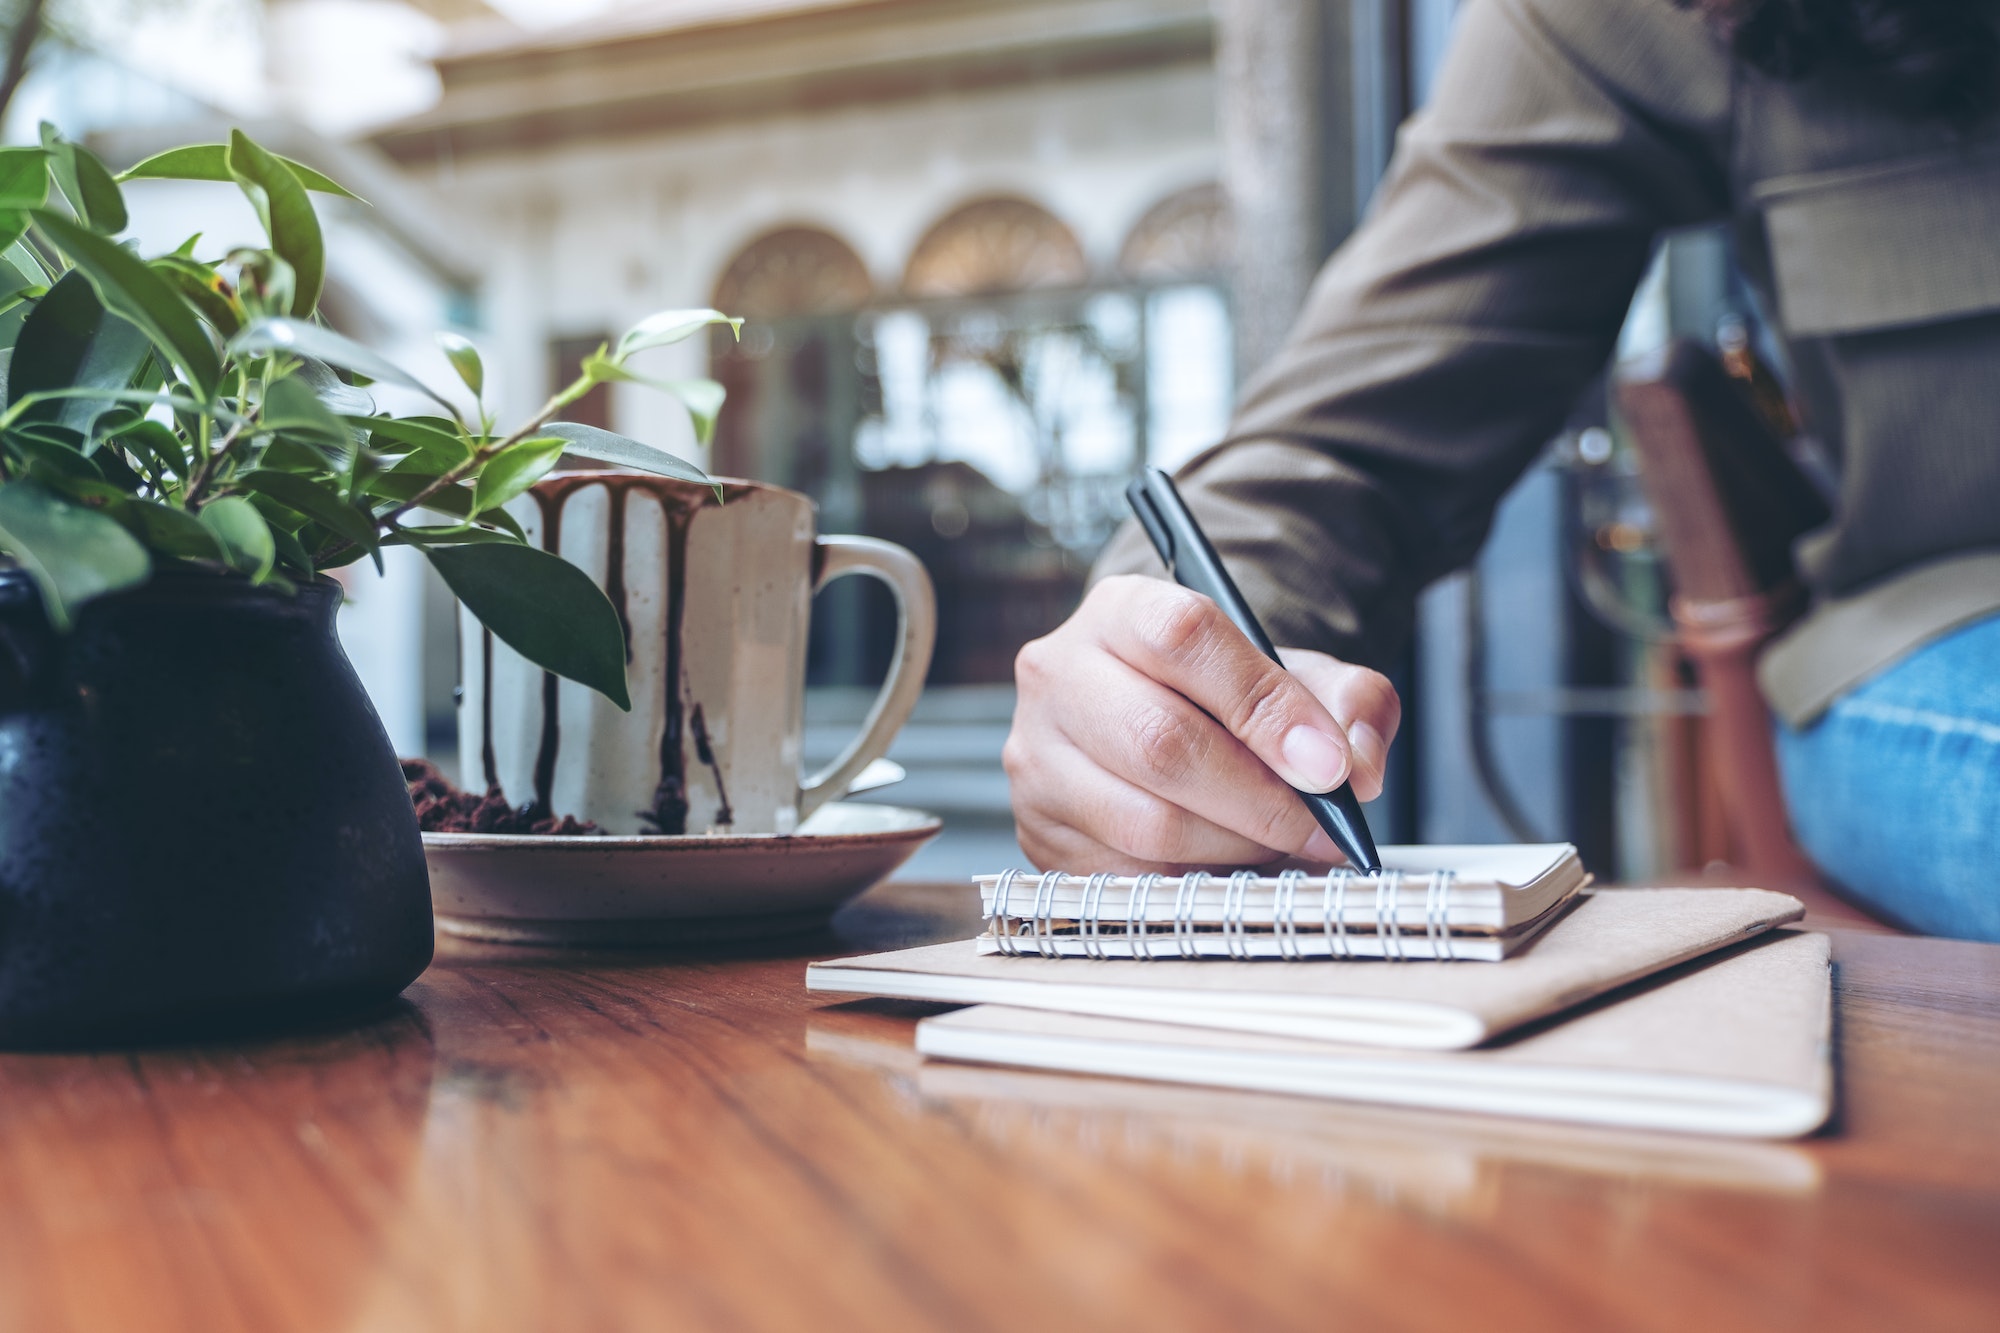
x=1730 y=502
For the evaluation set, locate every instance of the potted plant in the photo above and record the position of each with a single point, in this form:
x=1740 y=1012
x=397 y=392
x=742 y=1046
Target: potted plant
x=201 y=821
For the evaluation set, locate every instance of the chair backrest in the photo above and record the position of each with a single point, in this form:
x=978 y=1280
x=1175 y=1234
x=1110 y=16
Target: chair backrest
x=1730 y=500
x=1730 y=504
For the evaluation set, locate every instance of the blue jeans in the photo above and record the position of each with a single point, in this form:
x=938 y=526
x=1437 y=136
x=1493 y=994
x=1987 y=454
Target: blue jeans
x=1895 y=791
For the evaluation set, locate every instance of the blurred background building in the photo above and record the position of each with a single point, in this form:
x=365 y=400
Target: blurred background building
x=994 y=255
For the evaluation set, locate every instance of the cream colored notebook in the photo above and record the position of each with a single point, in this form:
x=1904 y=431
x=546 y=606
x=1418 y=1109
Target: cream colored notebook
x=1737 y=1046
x=1609 y=938
x=1469 y=904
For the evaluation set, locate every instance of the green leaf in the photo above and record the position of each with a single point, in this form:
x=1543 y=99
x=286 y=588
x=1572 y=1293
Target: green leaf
x=154 y=445
x=266 y=284
x=24 y=177
x=88 y=185
x=513 y=470
x=506 y=522
x=454 y=501
x=25 y=260
x=210 y=162
x=13 y=225
x=303 y=339
x=320 y=503
x=339 y=397
x=671 y=326
x=464 y=358
x=245 y=536
x=293 y=555
x=543 y=607
x=73 y=553
x=203 y=288
x=55 y=338
x=287 y=213
x=606 y=447
x=703 y=398
x=55 y=449
x=396 y=435
x=291 y=408
x=148 y=398
x=128 y=287
x=168 y=530
x=455 y=535
x=70 y=341
x=111 y=463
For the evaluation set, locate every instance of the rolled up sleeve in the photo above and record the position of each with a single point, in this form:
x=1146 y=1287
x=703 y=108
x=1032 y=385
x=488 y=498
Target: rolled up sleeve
x=1449 y=338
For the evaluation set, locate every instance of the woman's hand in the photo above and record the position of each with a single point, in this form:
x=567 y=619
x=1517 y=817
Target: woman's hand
x=1151 y=735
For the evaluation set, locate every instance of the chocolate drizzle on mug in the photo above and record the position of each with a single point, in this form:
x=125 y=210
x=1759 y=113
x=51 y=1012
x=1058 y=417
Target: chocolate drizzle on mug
x=551 y=507
x=669 y=811
x=487 y=761
x=670 y=807
x=705 y=752
x=614 y=561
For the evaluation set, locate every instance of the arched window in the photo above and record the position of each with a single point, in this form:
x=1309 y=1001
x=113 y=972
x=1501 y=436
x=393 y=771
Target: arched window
x=1186 y=236
x=995 y=245
x=790 y=272
x=792 y=286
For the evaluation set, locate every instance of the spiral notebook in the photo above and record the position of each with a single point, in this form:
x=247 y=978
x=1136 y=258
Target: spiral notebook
x=1608 y=939
x=1739 y=1045
x=1450 y=903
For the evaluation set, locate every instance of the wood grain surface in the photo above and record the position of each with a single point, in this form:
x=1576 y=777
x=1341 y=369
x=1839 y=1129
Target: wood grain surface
x=536 y=1141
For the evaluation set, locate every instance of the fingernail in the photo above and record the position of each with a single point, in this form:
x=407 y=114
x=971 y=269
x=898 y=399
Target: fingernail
x=1319 y=847
x=1370 y=750
x=1317 y=760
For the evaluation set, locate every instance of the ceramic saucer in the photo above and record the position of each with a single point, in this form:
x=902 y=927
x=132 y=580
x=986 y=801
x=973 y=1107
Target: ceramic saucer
x=645 y=890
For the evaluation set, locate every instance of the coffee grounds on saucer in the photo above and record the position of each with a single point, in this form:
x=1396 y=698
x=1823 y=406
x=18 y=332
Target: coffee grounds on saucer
x=443 y=808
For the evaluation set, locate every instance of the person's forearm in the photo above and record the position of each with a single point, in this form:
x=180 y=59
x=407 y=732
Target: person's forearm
x=1451 y=336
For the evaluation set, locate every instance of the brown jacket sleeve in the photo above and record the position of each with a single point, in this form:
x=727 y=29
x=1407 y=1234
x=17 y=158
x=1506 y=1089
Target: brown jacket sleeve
x=1449 y=338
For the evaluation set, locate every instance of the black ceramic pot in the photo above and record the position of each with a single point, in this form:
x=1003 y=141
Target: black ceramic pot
x=202 y=826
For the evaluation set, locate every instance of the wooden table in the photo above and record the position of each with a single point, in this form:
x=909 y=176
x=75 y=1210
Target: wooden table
x=538 y=1142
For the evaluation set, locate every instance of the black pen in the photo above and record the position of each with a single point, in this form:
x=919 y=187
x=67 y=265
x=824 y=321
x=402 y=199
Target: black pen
x=1196 y=567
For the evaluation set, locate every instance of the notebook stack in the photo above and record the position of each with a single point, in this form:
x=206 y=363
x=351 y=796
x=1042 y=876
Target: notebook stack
x=1476 y=979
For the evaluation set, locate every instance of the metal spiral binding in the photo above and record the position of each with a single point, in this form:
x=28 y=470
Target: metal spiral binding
x=1000 y=925
x=1135 y=916
x=1184 y=902
x=1388 y=926
x=1045 y=905
x=1437 y=914
x=1093 y=901
x=1333 y=913
x=1284 y=915
x=1234 y=903
x=1007 y=928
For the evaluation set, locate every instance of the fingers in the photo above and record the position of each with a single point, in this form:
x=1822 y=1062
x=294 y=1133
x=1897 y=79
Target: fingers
x=1362 y=701
x=1156 y=742
x=1184 y=642
x=1149 y=734
x=1073 y=813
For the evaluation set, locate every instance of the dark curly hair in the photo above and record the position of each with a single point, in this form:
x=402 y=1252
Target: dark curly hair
x=1930 y=57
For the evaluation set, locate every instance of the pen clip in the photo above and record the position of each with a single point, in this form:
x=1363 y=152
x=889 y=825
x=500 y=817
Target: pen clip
x=1148 y=514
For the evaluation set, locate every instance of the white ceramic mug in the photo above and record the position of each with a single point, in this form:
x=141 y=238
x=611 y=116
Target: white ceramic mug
x=716 y=599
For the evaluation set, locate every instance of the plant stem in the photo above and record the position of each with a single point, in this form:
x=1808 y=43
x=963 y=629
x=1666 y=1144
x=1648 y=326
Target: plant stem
x=22 y=40
x=206 y=471
x=480 y=456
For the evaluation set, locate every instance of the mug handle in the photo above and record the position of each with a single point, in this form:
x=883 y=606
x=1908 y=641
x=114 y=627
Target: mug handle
x=916 y=635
